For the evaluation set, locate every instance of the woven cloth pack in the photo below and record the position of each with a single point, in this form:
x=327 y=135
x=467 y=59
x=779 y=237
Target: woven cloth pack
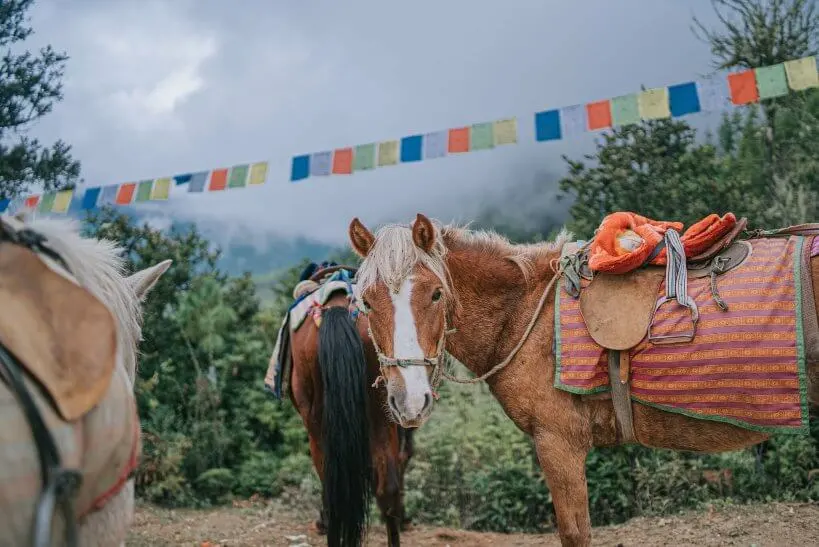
x=745 y=366
x=625 y=241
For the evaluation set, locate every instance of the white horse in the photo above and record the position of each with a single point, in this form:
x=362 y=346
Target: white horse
x=93 y=442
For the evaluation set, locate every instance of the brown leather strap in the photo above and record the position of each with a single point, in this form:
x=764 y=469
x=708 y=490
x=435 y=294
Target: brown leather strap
x=620 y=396
x=320 y=274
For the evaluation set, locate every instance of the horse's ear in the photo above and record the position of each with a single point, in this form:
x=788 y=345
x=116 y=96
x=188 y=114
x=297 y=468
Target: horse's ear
x=423 y=233
x=361 y=238
x=144 y=280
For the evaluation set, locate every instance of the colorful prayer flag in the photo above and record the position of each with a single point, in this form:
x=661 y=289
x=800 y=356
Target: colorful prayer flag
x=364 y=158
x=743 y=87
x=109 y=195
x=183 y=179
x=547 y=125
x=321 y=163
x=144 y=190
x=772 y=81
x=198 y=180
x=412 y=148
x=714 y=95
x=90 y=198
x=506 y=131
x=125 y=194
x=46 y=202
x=573 y=120
x=31 y=202
x=654 y=104
x=238 y=176
x=343 y=161
x=599 y=115
x=161 y=189
x=258 y=173
x=387 y=153
x=625 y=110
x=458 y=141
x=802 y=73
x=4 y=204
x=683 y=99
x=218 y=180
x=300 y=169
x=435 y=145
x=480 y=136
x=62 y=201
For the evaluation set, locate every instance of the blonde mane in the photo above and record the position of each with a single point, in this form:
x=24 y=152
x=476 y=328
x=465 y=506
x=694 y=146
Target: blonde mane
x=97 y=265
x=394 y=254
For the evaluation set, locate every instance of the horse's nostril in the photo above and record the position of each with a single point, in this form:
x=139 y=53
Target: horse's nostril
x=427 y=401
x=393 y=405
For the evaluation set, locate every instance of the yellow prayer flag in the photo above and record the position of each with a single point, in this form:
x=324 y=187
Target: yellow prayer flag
x=505 y=131
x=62 y=201
x=258 y=173
x=654 y=104
x=161 y=189
x=387 y=153
x=802 y=73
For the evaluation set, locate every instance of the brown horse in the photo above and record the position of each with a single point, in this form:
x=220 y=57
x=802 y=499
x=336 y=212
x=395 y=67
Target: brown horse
x=356 y=449
x=429 y=289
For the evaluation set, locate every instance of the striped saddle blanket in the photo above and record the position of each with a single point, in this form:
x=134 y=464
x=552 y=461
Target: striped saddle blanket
x=745 y=365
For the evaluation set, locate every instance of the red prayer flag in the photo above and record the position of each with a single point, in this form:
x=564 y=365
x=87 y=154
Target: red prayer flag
x=343 y=161
x=458 y=140
x=743 y=87
x=599 y=115
x=125 y=194
x=218 y=180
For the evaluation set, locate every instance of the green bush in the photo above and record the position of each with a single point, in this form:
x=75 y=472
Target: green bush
x=215 y=485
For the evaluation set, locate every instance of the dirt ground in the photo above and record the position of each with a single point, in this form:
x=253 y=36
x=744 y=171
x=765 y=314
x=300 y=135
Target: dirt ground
x=259 y=524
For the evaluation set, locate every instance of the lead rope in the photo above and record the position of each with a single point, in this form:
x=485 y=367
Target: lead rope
x=532 y=322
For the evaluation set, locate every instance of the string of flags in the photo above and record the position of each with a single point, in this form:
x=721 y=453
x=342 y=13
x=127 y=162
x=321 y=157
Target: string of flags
x=711 y=94
x=131 y=193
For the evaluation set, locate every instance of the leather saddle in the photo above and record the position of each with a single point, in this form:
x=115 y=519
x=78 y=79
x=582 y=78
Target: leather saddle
x=618 y=311
x=61 y=334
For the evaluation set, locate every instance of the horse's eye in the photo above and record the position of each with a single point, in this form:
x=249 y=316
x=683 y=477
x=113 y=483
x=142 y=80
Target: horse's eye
x=365 y=304
x=436 y=296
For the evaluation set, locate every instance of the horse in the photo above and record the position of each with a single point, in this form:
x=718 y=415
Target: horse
x=69 y=330
x=431 y=290
x=357 y=450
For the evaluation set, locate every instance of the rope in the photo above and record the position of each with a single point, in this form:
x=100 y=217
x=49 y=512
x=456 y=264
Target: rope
x=532 y=322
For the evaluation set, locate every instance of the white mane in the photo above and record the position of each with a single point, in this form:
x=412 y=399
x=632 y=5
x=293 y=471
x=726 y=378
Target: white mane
x=98 y=266
x=394 y=254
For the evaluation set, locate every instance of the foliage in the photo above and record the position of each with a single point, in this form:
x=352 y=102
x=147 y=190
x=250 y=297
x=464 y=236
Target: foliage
x=30 y=84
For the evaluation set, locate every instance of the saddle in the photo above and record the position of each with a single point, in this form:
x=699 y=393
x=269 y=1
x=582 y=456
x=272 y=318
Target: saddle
x=618 y=310
x=63 y=336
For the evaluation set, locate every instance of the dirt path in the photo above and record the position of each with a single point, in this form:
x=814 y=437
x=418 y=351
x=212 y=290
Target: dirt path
x=755 y=525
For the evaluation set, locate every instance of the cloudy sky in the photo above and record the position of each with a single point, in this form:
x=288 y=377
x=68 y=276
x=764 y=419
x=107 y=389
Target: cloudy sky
x=156 y=88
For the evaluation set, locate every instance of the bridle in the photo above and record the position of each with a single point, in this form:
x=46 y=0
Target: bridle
x=441 y=358
x=60 y=485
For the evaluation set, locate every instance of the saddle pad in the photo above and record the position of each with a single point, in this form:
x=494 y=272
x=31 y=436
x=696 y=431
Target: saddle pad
x=64 y=336
x=277 y=378
x=745 y=366
x=105 y=445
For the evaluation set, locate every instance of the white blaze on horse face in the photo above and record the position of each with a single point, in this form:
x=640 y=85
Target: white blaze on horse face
x=405 y=346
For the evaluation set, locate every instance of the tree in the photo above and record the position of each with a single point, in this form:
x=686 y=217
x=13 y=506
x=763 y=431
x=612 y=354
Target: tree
x=30 y=84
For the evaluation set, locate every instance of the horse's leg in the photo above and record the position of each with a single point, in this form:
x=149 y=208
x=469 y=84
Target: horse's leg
x=405 y=455
x=388 y=497
x=108 y=526
x=564 y=466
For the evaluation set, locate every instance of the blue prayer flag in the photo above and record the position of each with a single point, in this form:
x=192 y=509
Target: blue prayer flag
x=684 y=99
x=300 y=169
x=547 y=125
x=4 y=204
x=89 y=199
x=411 y=148
x=183 y=179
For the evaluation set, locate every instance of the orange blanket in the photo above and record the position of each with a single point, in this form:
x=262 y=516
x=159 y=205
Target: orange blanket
x=625 y=241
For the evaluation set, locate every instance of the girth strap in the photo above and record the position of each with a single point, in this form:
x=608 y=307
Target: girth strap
x=620 y=394
x=60 y=485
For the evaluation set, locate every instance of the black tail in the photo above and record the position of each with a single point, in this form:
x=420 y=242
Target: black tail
x=348 y=473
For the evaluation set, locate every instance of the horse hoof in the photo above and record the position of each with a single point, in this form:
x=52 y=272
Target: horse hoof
x=406 y=525
x=319 y=528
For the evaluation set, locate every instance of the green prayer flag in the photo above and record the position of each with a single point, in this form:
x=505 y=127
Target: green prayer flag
x=364 y=157
x=144 y=190
x=771 y=81
x=625 y=110
x=481 y=136
x=47 y=202
x=238 y=176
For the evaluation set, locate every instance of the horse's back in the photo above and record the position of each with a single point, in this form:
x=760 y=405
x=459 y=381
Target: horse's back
x=104 y=445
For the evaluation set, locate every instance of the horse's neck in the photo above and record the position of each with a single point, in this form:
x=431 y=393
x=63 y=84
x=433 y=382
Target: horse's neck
x=495 y=305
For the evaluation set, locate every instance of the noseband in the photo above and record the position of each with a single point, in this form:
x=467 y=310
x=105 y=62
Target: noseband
x=60 y=485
